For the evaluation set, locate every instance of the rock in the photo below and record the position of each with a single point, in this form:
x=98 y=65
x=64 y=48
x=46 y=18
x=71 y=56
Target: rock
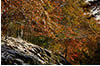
x=15 y=51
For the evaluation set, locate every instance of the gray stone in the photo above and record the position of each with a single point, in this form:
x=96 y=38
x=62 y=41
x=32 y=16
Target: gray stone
x=16 y=51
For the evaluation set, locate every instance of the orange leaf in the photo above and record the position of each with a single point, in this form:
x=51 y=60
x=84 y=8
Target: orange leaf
x=33 y=26
x=22 y=27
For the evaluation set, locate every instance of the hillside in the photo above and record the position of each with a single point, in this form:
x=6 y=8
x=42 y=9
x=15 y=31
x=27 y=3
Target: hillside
x=61 y=31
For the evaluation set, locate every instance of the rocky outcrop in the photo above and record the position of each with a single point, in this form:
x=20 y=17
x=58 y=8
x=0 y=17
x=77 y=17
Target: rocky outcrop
x=94 y=5
x=15 y=51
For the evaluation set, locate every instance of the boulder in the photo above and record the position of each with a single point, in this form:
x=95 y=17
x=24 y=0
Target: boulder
x=15 y=51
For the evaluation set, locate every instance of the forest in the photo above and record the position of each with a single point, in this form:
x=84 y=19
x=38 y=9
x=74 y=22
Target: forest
x=68 y=27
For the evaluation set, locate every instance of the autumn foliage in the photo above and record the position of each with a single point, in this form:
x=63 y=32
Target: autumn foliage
x=56 y=24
